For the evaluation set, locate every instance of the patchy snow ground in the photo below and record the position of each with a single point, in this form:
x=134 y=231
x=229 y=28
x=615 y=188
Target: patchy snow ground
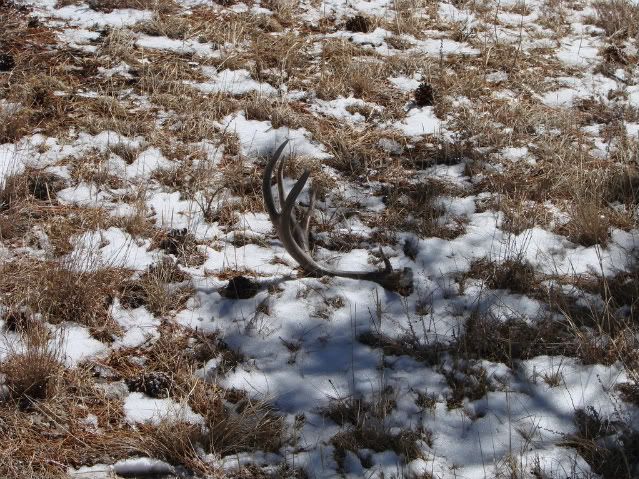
x=301 y=339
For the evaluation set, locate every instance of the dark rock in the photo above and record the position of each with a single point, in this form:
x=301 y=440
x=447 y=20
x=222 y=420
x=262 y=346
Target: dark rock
x=358 y=23
x=240 y=287
x=7 y=62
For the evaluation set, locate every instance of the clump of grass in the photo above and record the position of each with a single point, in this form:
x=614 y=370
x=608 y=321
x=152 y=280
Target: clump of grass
x=176 y=442
x=31 y=373
x=176 y=27
x=126 y=151
x=413 y=207
x=107 y=6
x=406 y=345
x=588 y=225
x=466 y=380
x=618 y=18
x=248 y=425
x=609 y=447
x=61 y=293
x=506 y=341
x=514 y=274
x=30 y=185
x=374 y=436
x=183 y=245
x=14 y=124
x=163 y=288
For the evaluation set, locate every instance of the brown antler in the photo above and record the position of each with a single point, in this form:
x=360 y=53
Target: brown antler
x=295 y=237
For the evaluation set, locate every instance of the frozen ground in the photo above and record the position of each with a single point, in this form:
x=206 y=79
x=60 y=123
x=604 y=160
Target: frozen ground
x=491 y=147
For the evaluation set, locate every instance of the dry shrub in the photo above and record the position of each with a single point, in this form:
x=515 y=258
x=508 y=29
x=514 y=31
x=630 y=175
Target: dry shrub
x=61 y=293
x=162 y=289
x=618 y=18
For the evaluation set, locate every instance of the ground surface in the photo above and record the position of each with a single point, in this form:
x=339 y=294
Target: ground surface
x=490 y=146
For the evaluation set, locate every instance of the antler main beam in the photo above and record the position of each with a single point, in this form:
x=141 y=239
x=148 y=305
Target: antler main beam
x=295 y=236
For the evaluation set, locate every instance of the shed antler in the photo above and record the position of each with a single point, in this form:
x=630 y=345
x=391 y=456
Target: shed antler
x=295 y=236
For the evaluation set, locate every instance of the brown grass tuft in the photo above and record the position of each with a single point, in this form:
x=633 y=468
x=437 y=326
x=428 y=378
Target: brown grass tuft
x=162 y=289
x=31 y=373
x=62 y=294
x=618 y=18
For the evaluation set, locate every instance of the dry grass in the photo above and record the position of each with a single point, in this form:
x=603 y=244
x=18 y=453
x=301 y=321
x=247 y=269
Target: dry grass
x=610 y=448
x=31 y=373
x=30 y=185
x=618 y=18
x=514 y=274
x=61 y=293
x=162 y=289
x=43 y=420
x=374 y=437
x=107 y=6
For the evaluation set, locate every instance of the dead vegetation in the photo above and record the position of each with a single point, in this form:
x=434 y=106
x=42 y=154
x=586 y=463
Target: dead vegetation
x=163 y=288
x=365 y=429
x=62 y=293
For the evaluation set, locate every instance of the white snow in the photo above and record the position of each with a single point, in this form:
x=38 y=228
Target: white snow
x=236 y=82
x=140 y=409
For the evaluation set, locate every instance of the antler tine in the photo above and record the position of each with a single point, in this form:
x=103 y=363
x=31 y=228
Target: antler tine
x=269 y=202
x=306 y=222
x=294 y=193
x=280 y=182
